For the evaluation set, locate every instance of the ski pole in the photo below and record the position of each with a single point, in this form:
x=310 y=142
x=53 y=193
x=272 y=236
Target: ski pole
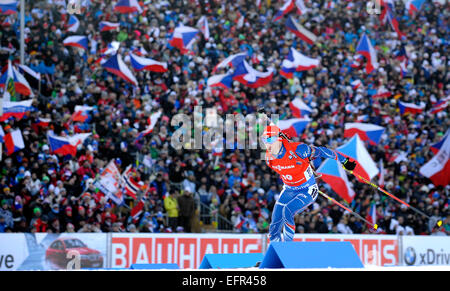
x=439 y=223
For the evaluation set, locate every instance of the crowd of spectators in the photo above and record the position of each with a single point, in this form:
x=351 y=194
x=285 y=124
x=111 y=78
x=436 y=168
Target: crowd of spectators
x=45 y=192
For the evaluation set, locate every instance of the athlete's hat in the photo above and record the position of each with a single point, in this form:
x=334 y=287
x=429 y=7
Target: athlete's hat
x=271 y=130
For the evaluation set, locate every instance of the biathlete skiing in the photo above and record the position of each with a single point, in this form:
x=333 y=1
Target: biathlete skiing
x=291 y=160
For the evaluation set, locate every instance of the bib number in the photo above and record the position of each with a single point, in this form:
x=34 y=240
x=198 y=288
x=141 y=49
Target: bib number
x=287 y=177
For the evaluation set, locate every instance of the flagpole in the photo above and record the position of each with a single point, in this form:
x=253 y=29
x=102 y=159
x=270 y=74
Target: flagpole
x=22 y=33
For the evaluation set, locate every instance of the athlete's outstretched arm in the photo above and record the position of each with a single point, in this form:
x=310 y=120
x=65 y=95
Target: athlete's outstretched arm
x=312 y=152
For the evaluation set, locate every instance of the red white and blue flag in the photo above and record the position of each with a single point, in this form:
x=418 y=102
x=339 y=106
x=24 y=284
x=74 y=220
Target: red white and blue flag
x=127 y=6
x=66 y=145
x=14 y=142
x=183 y=38
x=299 y=108
x=414 y=6
x=202 y=24
x=137 y=210
x=437 y=146
x=296 y=62
x=232 y=60
x=285 y=9
x=440 y=106
x=73 y=23
x=116 y=66
x=334 y=175
x=145 y=64
x=130 y=185
x=106 y=25
x=372 y=213
x=366 y=49
x=293 y=127
x=438 y=168
x=21 y=84
x=389 y=17
x=356 y=84
x=153 y=119
x=297 y=29
x=366 y=131
x=250 y=77
x=223 y=80
x=78 y=41
x=410 y=107
x=301 y=7
x=8 y=7
x=16 y=109
x=81 y=114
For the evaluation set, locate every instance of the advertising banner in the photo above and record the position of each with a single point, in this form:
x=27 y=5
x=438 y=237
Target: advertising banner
x=425 y=250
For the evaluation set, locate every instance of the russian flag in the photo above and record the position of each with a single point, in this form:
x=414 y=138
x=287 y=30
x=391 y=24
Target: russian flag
x=355 y=149
x=232 y=60
x=73 y=24
x=437 y=146
x=285 y=9
x=20 y=83
x=366 y=49
x=438 y=168
x=297 y=62
x=78 y=41
x=297 y=29
x=127 y=6
x=410 y=107
x=250 y=77
x=334 y=175
x=139 y=64
x=299 y=108
x=366 y=131
x=106 y=25
x=14 y=142
x=65 y=145
x=223 y=80
x=8 y=7
x=116 y=66
x=414 y=6
x=183 y=38
x=293 y=127
x=202 y=24
x=15 y=109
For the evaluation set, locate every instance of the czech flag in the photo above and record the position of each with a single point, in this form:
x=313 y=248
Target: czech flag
x=116 y=66
x=366 y=49
x=366 y=131
x=389 y=17
x=438 y=168
x=334 y=175
x=439 y=106
x=15 y=109
x=285 y=9
x=356 y=84
x=355 y=149
x=414 y=6
x=127 y=6
x=14 y=142
x=139 y=64
x=296 y=62
x=437 y=146
x=73 y=24
x=250 y=77
x=223 y=80
x=183 y=38
x=297 y=29
x=21 y=84
x=66 y=145
x=410 y=107
x=299 y=108
x=202 y=24
x=293 y=127
x=8 y=7
x=372 y=213
x=106 y=25
x=81 y=113
x=78 y=41
x=232 y=60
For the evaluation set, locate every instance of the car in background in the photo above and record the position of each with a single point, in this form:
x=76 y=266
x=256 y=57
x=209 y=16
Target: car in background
x=63 y=253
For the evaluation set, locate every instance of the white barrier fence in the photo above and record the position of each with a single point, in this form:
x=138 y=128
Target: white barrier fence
x=42 y=251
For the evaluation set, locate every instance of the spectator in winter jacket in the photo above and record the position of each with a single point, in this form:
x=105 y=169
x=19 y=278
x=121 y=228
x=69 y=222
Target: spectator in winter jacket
x=187 y=208
x=171 y=206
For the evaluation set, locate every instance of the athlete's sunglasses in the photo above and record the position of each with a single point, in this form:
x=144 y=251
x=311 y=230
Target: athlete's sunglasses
x=269 y=140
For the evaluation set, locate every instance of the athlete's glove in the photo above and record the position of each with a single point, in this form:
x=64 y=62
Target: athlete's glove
x=349 y=165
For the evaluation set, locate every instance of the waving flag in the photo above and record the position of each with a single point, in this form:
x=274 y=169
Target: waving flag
x=297 y=29
x=389 y=17
x=410 y=107
x=366 y=49
x=131 y=187
x=439 y=106
x=139 y=64
x=334 y=175
x=414 y=6
x=14 y=142
x=372 y=214
x=66 y=145
x=250 y=77
x=438 y=168
x=293 y=127
x=356 y=61
x=223 y=80
x=109 y=183
x=106 y=25
x=116 y=66
x=355 y=149
x=78 y=41
x=301 y=7
x=8 y=7
x=296 y=62
x=366 y=131
x=183 y=38
x=73 y=23
x=8 y=21
x=285 y=9
x=356 y=84
x=202 y=24
x=30 y=75
x=127 y=6
x=80 y=113
x=15 y=109
x=137 y=210
x=151 y=124
x=299 y=108
x=382 y=172
x=14 y=82
x=232 y=60
x=437 y=146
